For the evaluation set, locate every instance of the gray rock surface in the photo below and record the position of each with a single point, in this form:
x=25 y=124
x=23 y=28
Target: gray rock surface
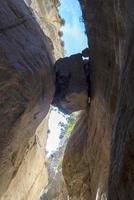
x=71 y=84
x=26 y=85
x=98 y=161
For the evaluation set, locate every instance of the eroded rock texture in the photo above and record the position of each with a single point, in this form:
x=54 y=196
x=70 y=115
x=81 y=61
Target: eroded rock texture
x=71 y=85
x=93 y=168
x=26 y=92
x=31 y=176
x=46 y=13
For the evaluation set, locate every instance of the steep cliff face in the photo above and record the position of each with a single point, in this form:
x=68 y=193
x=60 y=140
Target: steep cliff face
x=94 y=169
x=26 y=91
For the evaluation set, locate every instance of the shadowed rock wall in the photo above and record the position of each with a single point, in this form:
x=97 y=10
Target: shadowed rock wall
x=98 y=162
x=26 y=92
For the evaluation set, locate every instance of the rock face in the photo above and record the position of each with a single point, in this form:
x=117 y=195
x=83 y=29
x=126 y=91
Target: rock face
x=46 y=13
x=57 y=189
x=26 y=90
x=71 y=93
x=31 y=175
x=75 y=164
x=98 y=162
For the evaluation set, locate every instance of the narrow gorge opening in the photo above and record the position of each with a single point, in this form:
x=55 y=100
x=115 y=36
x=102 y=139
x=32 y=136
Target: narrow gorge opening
x=73 y=37
x=74 y=40
x=31 y=41
x=98 y=160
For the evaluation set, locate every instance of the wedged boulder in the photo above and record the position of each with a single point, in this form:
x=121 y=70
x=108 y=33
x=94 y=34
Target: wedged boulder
x=71 y=93
x=26 y=84
x=108 y=150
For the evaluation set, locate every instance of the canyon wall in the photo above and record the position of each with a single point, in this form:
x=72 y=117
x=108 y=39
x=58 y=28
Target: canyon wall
x=26 y=91
x=47 y=14
x=98 y=162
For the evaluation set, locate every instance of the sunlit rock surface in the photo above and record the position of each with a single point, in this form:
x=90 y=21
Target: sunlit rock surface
x=46 y=13
x=92 y=168
x=31 y=176
x=26 y=91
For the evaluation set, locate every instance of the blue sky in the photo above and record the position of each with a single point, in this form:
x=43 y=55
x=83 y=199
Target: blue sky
x=73 y=31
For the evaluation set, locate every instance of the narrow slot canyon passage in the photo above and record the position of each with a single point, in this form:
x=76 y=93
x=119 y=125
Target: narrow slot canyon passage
x=73 y=36
x=66 y=111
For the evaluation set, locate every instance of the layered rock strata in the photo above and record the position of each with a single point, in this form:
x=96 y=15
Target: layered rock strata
x=98 y=162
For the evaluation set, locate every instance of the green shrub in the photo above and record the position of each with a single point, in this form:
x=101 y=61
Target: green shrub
x=60 y=33
x=63 y=22
x=66 y=129
x=62 y=43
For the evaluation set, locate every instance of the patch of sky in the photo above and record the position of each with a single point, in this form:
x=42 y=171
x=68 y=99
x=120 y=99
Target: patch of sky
x=74 y=35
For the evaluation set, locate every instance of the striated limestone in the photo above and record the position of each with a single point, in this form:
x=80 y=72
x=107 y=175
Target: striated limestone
x=98 y=162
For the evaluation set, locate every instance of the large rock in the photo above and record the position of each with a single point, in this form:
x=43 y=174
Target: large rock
x=92 y=167
x=26 y=91
x=71 y=85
